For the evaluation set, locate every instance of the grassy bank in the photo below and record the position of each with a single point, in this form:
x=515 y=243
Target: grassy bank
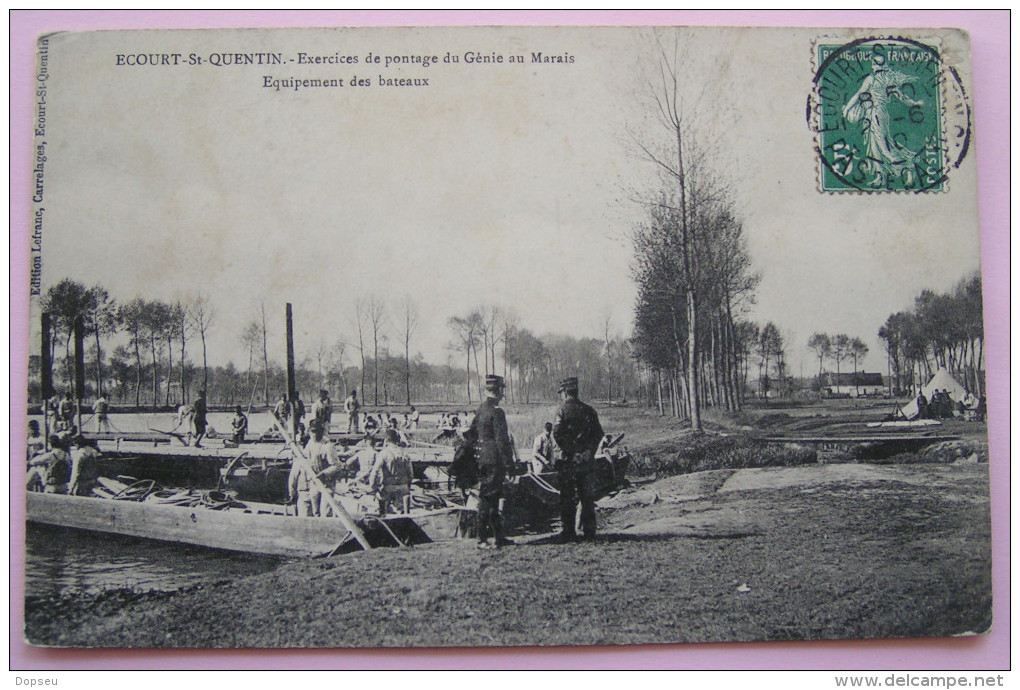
x=699 y=550
x=846 y=559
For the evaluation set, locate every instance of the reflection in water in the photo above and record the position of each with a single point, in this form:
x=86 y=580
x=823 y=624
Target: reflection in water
x=62 y=561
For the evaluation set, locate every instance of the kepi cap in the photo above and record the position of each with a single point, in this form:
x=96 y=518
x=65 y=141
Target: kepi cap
x=493 y=382
x=568 y=384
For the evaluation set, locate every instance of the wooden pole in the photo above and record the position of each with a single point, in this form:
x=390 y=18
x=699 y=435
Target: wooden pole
x=251 y=400
x=79 y=367
x=343 y=515
x=46 y=379
x=291 y=376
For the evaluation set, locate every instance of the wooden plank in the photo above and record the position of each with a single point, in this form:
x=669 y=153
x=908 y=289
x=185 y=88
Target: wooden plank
x=232 y=530
x=878 y=438
x=438 y=525
x=129 y=436
x=190 y=453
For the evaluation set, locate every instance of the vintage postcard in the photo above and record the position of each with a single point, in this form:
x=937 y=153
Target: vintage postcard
x=504 y=336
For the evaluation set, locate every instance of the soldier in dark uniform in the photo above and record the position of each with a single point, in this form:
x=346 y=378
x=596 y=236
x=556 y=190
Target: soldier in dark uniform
x=199 y=420
x=494 y=454
x=577 y=432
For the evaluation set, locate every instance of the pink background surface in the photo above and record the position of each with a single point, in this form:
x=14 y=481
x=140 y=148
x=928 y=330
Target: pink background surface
x=989 y=32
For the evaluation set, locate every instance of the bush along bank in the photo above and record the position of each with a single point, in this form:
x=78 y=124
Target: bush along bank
x=700 y=452
x=973 y=451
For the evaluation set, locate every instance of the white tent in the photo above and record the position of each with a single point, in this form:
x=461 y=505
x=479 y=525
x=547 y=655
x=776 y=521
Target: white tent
x=942 y=380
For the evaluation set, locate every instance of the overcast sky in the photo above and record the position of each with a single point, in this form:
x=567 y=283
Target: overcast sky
x=496 y=184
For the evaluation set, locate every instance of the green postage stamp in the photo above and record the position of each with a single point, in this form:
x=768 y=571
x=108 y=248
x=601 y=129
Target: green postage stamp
x=890 y=116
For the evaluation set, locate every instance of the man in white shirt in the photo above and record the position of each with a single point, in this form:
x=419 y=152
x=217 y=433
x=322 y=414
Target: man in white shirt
x=542 y=455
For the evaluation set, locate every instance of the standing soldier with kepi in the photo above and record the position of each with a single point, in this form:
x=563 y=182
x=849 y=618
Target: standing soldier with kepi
x=494 y=454
x=577 y=433
x=322 y=411
x=352 y=407
x=102 y=410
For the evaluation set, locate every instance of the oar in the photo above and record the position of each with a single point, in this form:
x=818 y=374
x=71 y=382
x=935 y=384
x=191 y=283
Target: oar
x=251 y=400
x=179 y=437
x=344 y=516
x=230 y=466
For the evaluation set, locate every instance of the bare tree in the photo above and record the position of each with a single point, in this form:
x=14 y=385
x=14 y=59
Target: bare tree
x=858 y=351
x=942 y=330
x=840 y=351
x=172 y=329
x=335 y=367
x=477 y=328
x=483 y=322
x=508 y=328
x=360 y=309
x=769 y=349
x=321 y=355
x=691 y=193
x=132 y=315
x=202 y=316
x=155 y=321
x=466 y=333
x=185 y=329
x=66 y=301
x=376 y=312
x=102 y=320
x=251 y=338
x=265 y=356
x=607 y=319
x=408 y=325
x=821 y=345
x=490 y=319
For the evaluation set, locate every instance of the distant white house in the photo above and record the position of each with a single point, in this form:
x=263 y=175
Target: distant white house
x=853 y=385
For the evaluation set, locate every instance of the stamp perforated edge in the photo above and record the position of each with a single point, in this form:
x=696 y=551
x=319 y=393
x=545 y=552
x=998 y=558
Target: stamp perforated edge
x=954 y=110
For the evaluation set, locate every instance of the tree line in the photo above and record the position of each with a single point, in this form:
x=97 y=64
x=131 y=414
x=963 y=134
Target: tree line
x=837 y=348
x=141 y=353
x=691 y=264
x=943 y=330
x=156 y=330
x=696 y=282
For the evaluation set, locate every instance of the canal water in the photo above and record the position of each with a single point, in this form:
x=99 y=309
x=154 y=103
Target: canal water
x=62 y=562
x=65 y=562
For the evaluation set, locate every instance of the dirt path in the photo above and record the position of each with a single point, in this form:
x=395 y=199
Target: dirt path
x=792 y=553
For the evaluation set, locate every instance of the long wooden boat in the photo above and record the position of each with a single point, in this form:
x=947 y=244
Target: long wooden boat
x=255 y=472
x=533 y=499
x=247 y=530
x=420 y=453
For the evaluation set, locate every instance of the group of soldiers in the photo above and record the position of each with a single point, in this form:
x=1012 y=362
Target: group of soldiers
x=577 y=432
x=316 y=471
x=63 y=461
x=942 y=406
x=68 y=466
x=193 y=417
x=322 y=414
x=60 y=411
